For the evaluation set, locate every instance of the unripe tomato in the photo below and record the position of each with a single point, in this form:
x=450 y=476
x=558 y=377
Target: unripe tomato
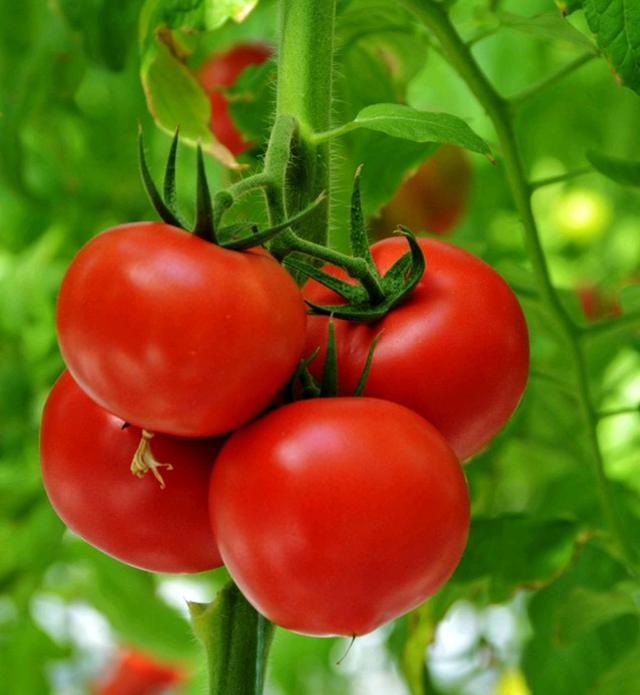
x=175 y=334
x=432 y=199
x=86 y=466
x=335 y=515
x=222 y=70
x=456 y=350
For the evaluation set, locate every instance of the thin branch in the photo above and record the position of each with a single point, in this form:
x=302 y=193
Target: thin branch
x=560 y=178
x=615 y=412
x=517 y=101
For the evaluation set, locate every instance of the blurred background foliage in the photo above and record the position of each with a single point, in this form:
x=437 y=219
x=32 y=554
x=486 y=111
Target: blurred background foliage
x=540 y=603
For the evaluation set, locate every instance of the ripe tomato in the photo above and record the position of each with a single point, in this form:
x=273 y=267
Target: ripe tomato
x=222 y=70
x=86 y=458
x=137 y=673
x=175 y=334
x=336 y=515
x=456 y=350
x=432 y=199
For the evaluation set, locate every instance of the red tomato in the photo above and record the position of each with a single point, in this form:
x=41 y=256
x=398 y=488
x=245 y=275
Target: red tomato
x=222 y=70
x=86 y=459
x=136 y=673
x=595 y=304
x=432 y=199
x=175 y=334
x=336 y=515
x=456 y=350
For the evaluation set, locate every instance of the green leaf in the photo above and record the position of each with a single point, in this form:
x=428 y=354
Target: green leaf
x=386 y=163
x=621 y=171
x=514 y=551
x=584 y=610
x=404 y=122
x=236 y=638
x=597 y=646
x=196 y=15
x=107 y=28
x=623 y=677
x=176 y=99
x=549 y=26
x=616 y=25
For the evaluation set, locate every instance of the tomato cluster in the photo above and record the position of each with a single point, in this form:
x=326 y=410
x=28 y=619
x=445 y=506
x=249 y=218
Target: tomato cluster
x=189 y=430
x=332 y=514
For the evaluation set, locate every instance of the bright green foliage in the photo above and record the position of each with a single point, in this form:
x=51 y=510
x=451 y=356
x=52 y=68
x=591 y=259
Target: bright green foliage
x=419 y=126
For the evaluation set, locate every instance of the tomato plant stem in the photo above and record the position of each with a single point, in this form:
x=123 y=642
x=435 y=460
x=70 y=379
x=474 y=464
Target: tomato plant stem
x=459 y=56
x=305 y=72
x=561 y=178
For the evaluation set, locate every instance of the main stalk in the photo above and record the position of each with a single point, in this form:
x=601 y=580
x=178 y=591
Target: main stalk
x=305 y=73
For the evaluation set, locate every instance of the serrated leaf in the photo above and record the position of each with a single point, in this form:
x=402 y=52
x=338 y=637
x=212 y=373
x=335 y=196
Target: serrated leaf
x=515 y=551
x=549 y=26
x=407 y=123
x=621 y=171
x=616 y=25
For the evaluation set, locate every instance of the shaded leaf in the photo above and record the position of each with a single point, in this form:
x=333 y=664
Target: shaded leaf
x=549 y=26
x=568 y=667
x=621 y=171
x=514 y=551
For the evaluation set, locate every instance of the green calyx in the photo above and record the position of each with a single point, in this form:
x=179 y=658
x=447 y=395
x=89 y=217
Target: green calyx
x=374 y=295
x=304 y=385
x=209 y=211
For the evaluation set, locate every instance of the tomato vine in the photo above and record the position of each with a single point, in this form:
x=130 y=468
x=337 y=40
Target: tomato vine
x=499 y=109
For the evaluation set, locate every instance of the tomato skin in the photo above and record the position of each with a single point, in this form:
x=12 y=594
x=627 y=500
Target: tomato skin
x=456 y=351
x=432 y=199
x=175 y=334
x=222 y=70
x=335 y=515
x=137 y=673
x=86 y=458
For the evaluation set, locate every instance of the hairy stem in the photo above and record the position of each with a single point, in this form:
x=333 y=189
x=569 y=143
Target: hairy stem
x=305 y=72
